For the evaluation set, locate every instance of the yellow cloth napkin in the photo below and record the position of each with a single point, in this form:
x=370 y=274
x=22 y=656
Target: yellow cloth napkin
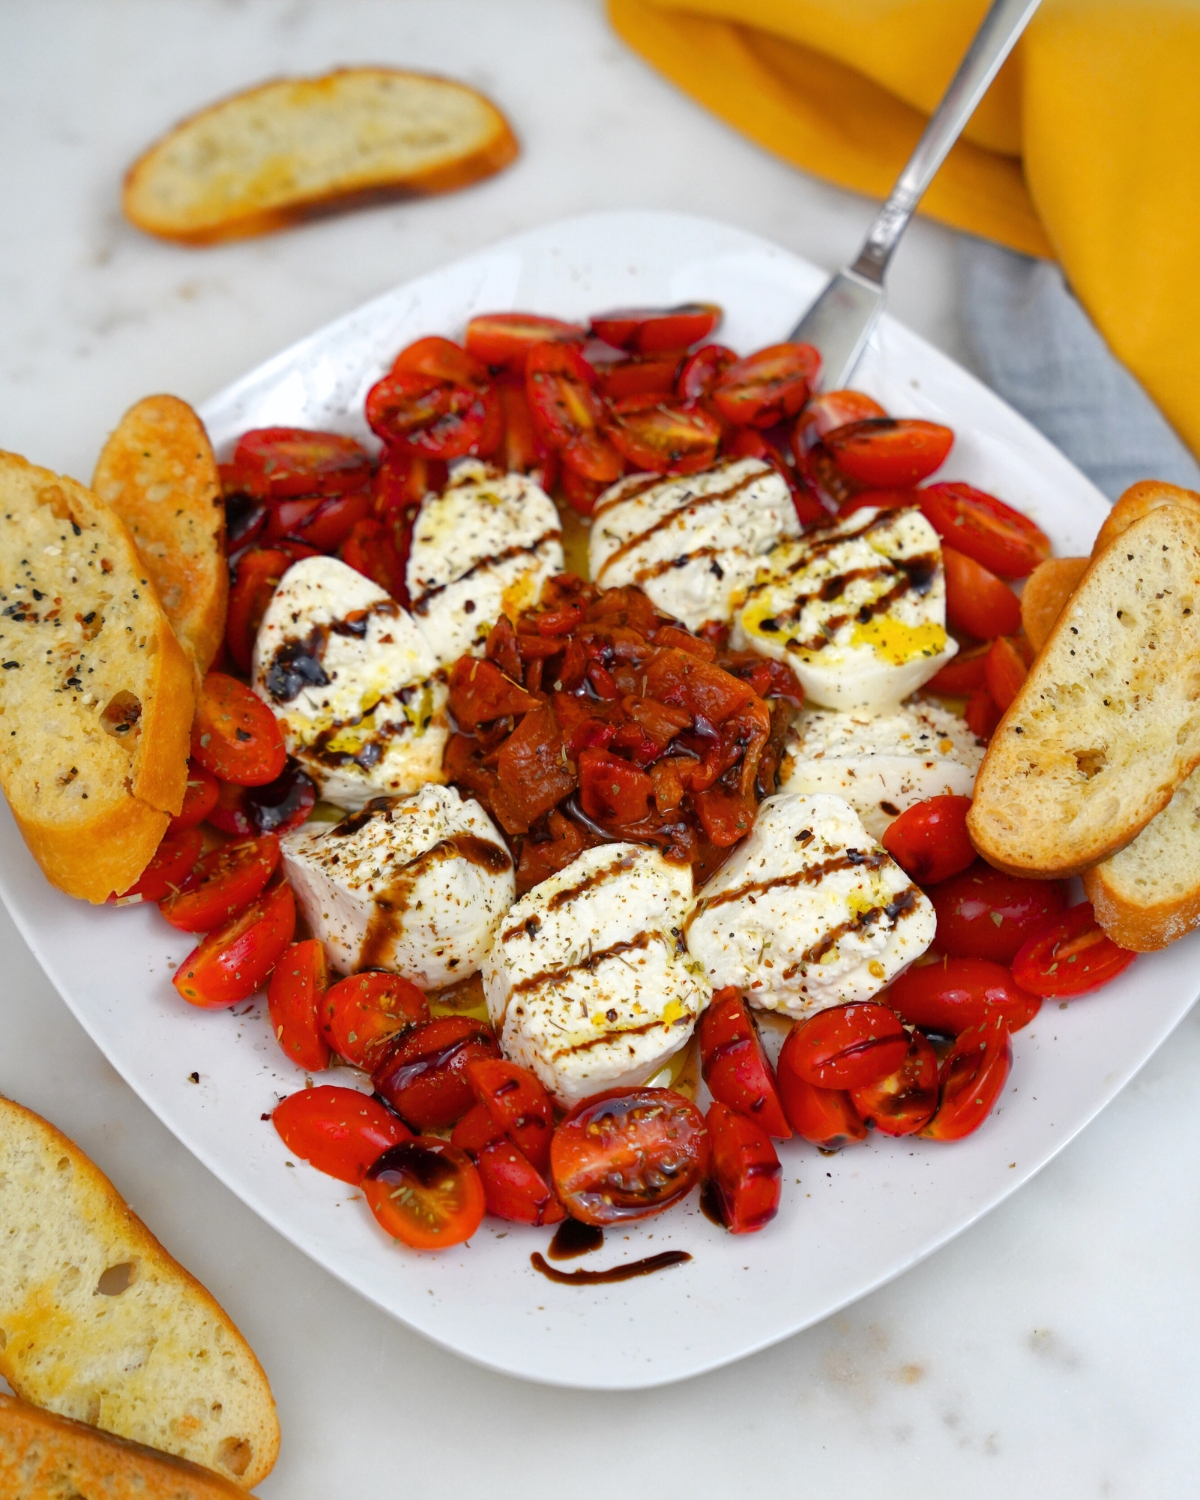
x=1086 y=147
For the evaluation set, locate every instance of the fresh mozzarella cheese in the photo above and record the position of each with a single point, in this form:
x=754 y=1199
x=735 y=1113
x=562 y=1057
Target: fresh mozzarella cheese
x=692 y=544
x=857 y=609
x=809 y=912
x=414 y=884
x=353 y=683
x=482 y=548
x=587 y=983
x=881 y=763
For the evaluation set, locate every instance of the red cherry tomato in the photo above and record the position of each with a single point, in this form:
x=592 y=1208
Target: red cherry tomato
x=277 y=807
x=984 y=913
x=826 y=1117
x=1070 y=956
x=701 y=371
x=276 y=463
x=506 y=338
x=338 y=1130
x=231 y=811
x=977 y=602
x=929 y=840
x=523 y=451
x=512 y=1185
x=199 y=797
x=370 y=549
x=437 y=402
x=476 y=1131
x=984 y=528
x=627 y=1153
x=235 y=735
x=655 y=330
x=767 y=387
x=294 y=997
x=653 y=375
x=734 y=1065
x=321 y=524
x=255 y=580
x=233 y=962
x=568 y=412
x=846 y=1046
x=744 y=1170
x=362 y=1014
x=1005 y=669
x=888 y=452
x=581 y=494
x=962 y=674
x=425 y=1193
x=829 y=411
x=905 y=1100
x=518 y=1103
x=972 y=1078
x=952 y=994
x=169 y=866
x=981 y=714
x=221 y=884
x=423 y=1073
x=665 y=436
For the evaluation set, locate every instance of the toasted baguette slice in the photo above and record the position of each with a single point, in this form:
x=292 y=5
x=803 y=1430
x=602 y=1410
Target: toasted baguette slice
x=1137 y=501
x=44 y=1457
x=95 y=694
x=299 y=147
x=97 y=1322
x=158 y=473
x=1107 y=724
x=1046 y=590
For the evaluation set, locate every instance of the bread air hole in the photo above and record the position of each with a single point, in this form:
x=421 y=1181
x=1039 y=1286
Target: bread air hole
x=120 y=714
x=116 y=1279
x=1090 y=762
x=234 y=1454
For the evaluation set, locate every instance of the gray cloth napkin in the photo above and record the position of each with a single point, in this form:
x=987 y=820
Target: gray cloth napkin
x=1031 y=341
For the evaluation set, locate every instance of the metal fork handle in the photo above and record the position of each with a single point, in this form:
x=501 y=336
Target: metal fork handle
x=994 y=40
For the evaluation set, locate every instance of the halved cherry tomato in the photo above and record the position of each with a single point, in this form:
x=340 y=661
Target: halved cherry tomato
x=981 y=714
x=568 y=412
x=244 y=521
x=826 y=1117
x=513 y=1186
x=481 y=692
x=984 y=528
x=169 y=865
x=370 y=549
x=929 y=841
x=276 y=463
x=277 y=807
x=1070 y=956
x=433 y=417
x=294 y=997
x=652 y=375
x=363 y=1014
x=476 y=1131
x=235 y=735
x=233 y=962
x=656 y=330
x=255 y=580
x=751 y=442
x=425 y=1193
x=962 y=674
x=627 y=1153
x=734 y=1065
x=403 y=480
x=952 y=994
x=199 y=797
x=905 y=1100
x=665 y=436
x=889 y=452
x=221 y=884
x=984 y=913
x=519 y=1104
x=321 y=524
x=830 y=410
x=972 y=1078
x=337 y=1130
x=701 y=371
x=581 y=494
x=522 y=450
x=611 y=790
x=423 y=1073
x=1005 y=669
x=506 y=338
x=767 y=387
x=978 y=602
x=231 y=811
x=744 y=1170
x=846 y=1046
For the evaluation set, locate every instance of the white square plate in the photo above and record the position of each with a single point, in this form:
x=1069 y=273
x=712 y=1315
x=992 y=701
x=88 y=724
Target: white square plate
x=847 y=1222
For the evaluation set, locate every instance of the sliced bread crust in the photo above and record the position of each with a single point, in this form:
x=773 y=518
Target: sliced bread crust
x=1138 y=501
x=158 y=473
x=99 y=1323
x=1107 y=724
x=1046 y=590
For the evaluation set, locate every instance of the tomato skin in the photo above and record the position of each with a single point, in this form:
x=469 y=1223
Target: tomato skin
x=701 y=371
x=826 y=1117
x=581 y=494
x=256 y=578
x=277 y=463
x=768 y=386
x=294 y=996
x=1005 y=668
x=1070 y=956
x=506 y=338
x=233 y=962
x=665 y=436
x=830 y=410
x=952 y=994
x=647 y=375
x=426 y=1193
x=221 y=884
x=199 y=798
x=734 y=1065
x=985 y=529
x=480 y=692
x=744 y=1169
x=337 y=1130
x=277 y=807
x=981 y=714
x=977 y=602
x=370 y=549
x=962 y=674
x=568 y=412
x=523 y=451
x=235 y=735
x=971 y=1079
x=889 y=452
x=422 y=1075
x=929 y=841
x=904 y=1101
x=519 y=1104
x=513 y=1187
x=611 y=790
x=363 y=1013
x=846 y=1046
x=984 y=913
x=656 y=330
x=626 y=1154
x=322 y=524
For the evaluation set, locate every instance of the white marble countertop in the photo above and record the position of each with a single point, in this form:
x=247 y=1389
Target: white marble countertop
x=1048 y=1351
